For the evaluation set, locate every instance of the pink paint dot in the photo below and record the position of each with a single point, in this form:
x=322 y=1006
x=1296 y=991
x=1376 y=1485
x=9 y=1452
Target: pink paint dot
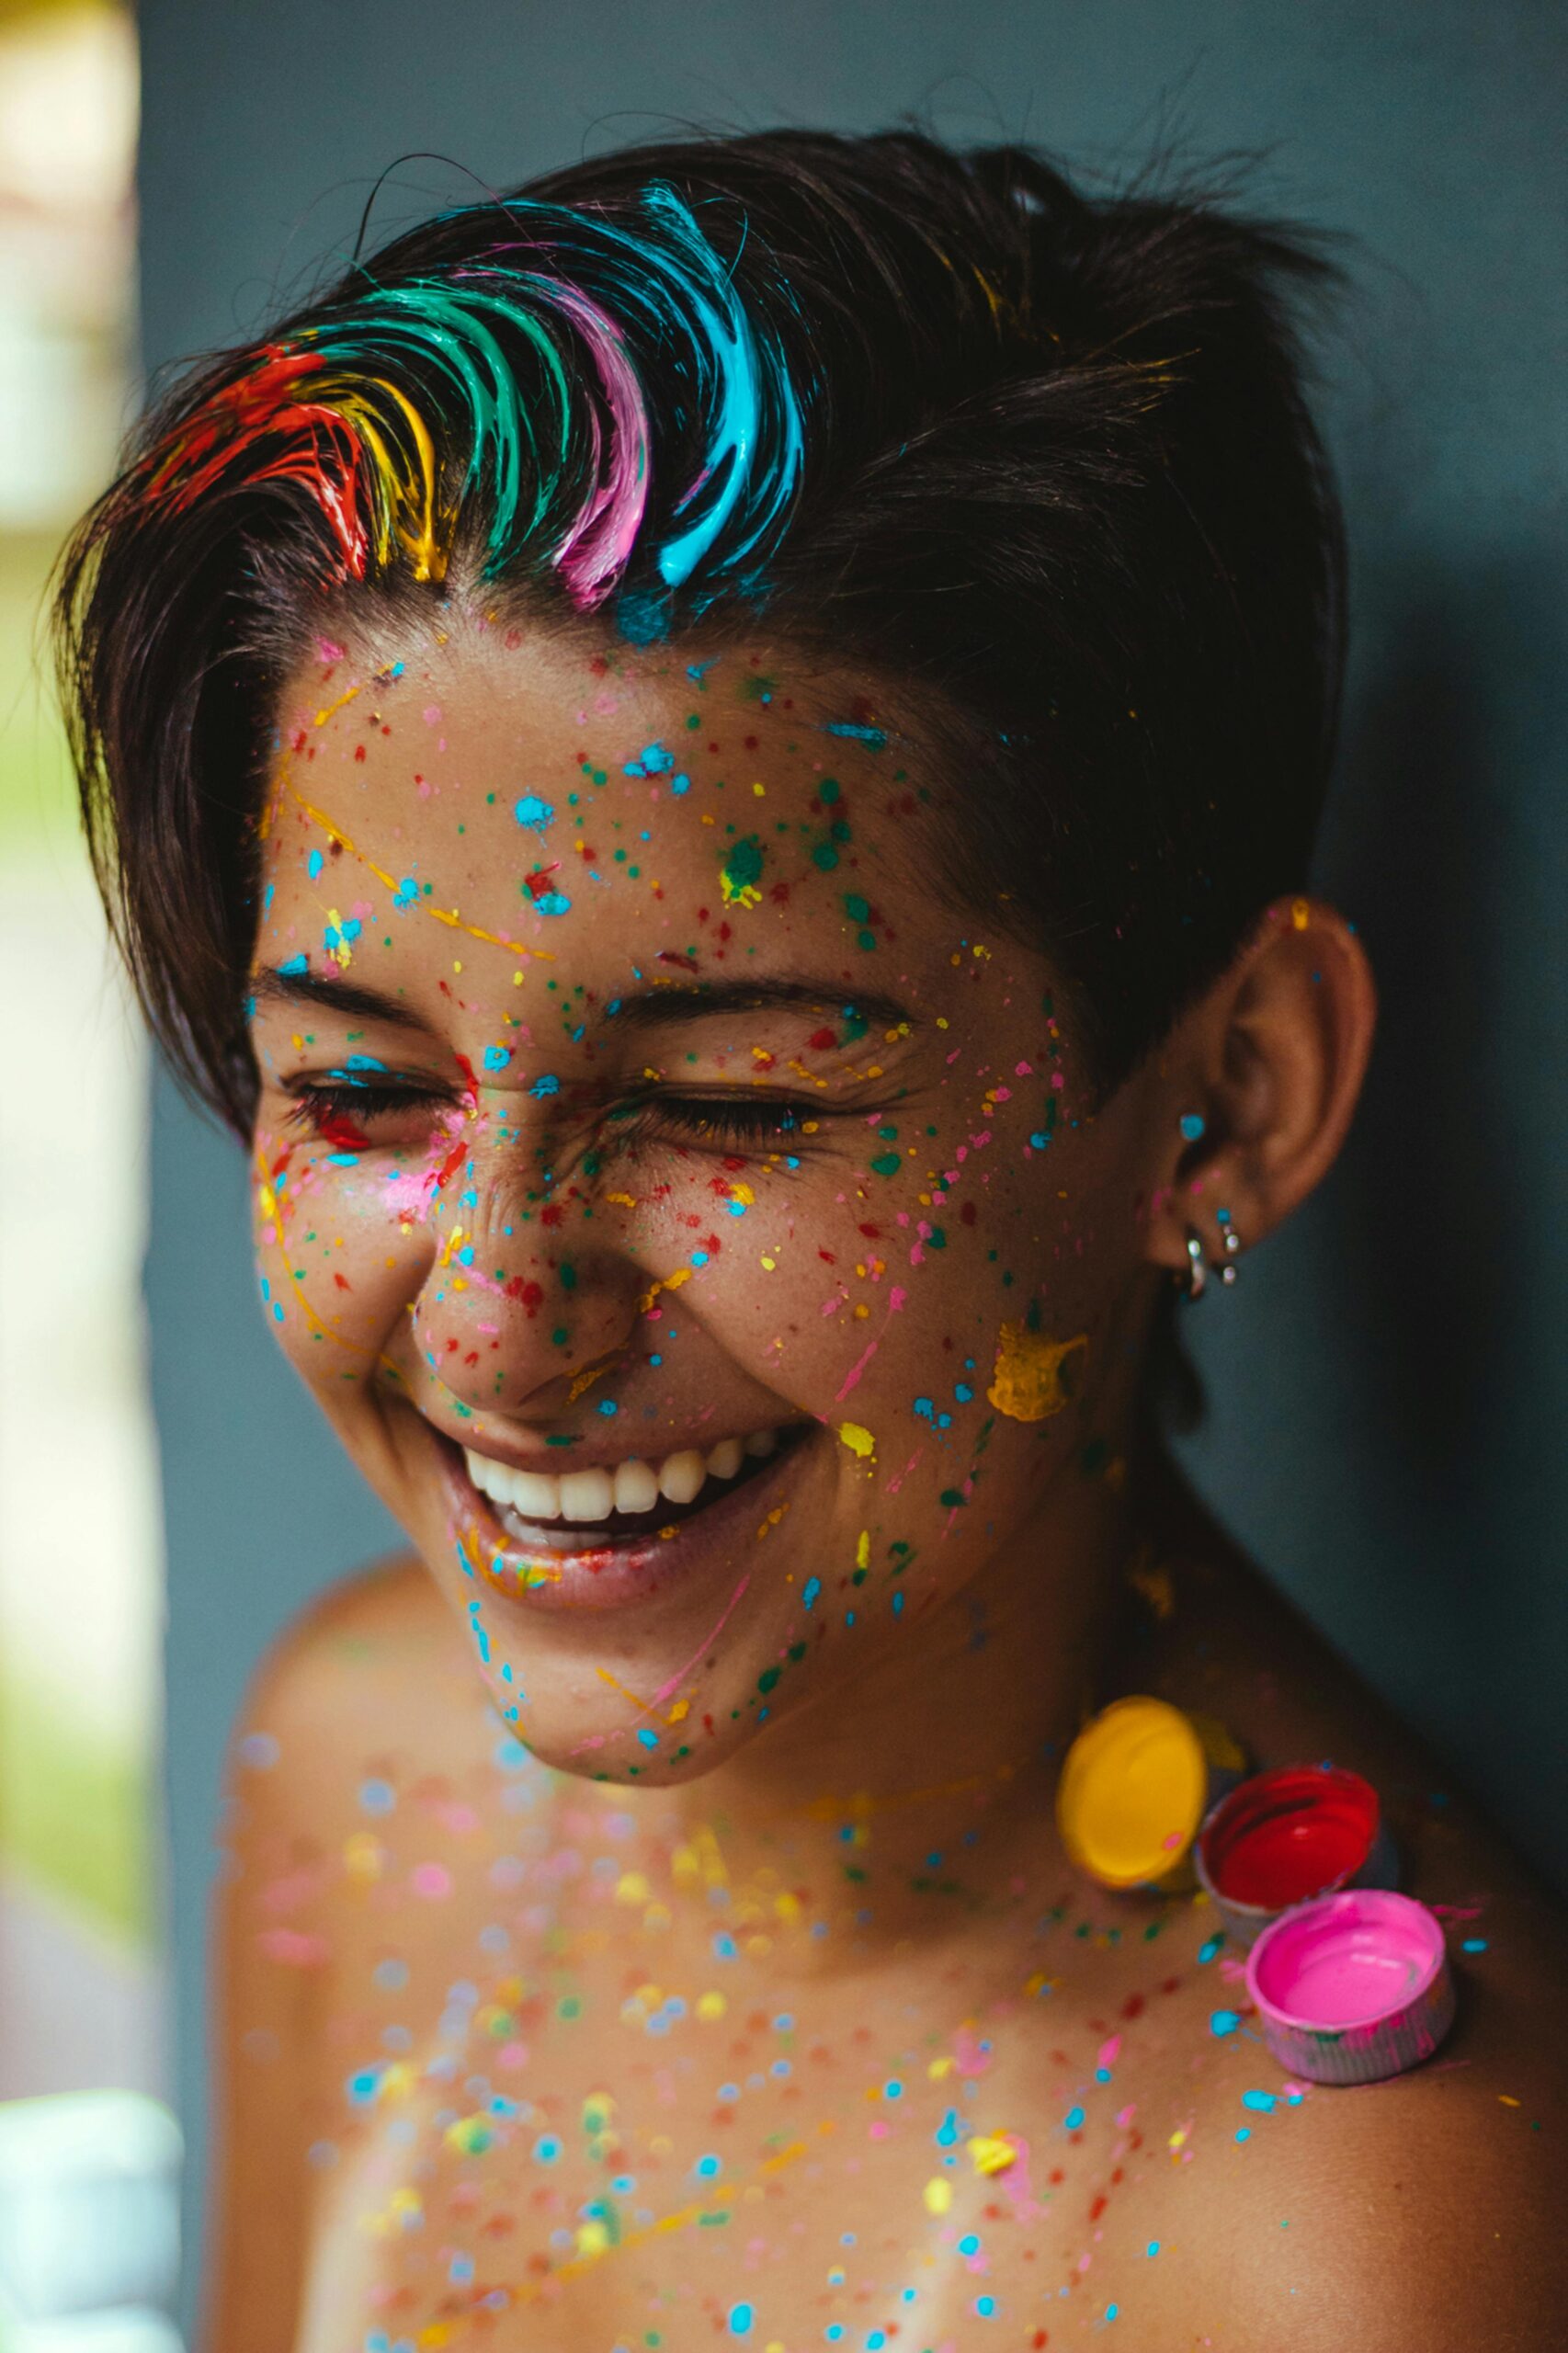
x=431 y=1880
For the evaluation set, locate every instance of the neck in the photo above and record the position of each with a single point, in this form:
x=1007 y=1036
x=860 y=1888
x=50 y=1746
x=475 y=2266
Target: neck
x=915 y=1801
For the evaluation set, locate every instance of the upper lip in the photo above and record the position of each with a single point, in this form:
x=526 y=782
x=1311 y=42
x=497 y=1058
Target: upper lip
x=555 y=1460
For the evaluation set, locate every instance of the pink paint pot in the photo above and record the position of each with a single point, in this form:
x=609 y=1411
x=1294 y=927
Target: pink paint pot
x=1286 y=1835
x=1352 y=1988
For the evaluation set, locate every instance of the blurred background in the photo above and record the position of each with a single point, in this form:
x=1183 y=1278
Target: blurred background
x=1386 y=1383
x=88 y=2151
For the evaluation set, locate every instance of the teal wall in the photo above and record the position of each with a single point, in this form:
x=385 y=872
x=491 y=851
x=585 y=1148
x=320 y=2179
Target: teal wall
x=1387 y=1382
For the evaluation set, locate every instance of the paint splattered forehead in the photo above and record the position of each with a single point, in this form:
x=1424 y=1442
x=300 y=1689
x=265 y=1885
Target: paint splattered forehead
x=504 y=400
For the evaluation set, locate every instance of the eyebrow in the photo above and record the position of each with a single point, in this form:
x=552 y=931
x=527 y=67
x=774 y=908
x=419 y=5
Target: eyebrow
x=673 y=1001
x=272 y=986
x=667 y=1003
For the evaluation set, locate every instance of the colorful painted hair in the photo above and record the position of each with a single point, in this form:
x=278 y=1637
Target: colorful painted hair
x=1040 y=459
x=516 y=373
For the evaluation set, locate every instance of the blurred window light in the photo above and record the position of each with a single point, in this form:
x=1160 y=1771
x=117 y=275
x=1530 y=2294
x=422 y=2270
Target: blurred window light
x=81 y=1987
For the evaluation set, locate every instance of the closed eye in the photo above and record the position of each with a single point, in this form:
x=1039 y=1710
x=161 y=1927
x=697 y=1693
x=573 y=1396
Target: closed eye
x=355 y=1115
x=727 y=1120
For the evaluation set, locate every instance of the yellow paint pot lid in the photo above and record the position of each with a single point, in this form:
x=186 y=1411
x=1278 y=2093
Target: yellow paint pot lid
x=1133 y=1792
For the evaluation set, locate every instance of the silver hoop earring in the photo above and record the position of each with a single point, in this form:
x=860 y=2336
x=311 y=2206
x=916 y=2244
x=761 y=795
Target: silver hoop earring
x=1197 y=1266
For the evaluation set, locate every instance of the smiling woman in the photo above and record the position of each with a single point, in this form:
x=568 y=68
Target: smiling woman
x=713 y=763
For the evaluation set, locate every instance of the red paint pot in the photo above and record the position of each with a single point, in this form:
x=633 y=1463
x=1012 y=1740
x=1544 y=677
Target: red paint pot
x=1287 y=1836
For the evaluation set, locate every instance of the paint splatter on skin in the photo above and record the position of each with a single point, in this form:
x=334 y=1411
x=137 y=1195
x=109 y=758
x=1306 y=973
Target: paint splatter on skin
x=1028 y=1383
x=740 y=876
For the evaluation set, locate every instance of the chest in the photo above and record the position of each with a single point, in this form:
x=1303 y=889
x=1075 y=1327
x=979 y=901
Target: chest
x=630 y=2164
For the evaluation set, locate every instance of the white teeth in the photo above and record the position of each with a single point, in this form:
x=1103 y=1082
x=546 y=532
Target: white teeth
x=536 y=1494
x=586 y=1495
x=680 y=1475
x=725 y=1459
x=589 y=1496
x=636 y=1487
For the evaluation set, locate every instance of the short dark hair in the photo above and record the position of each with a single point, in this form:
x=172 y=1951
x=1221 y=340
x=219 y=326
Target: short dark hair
x=1042 y=454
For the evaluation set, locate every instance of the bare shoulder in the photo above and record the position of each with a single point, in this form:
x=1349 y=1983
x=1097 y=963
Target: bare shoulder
x=1422 y=2211
x=368 y=1704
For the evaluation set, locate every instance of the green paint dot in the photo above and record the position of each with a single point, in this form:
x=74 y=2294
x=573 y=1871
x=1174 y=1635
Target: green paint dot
x=855 y=907
x=767 y=1679
x=560 y=1336
x=828 y=790
x=824 y=858
x=886 y=1164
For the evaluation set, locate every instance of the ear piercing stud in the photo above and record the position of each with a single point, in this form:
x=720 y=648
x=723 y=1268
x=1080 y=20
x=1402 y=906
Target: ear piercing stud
x=1195 y=1280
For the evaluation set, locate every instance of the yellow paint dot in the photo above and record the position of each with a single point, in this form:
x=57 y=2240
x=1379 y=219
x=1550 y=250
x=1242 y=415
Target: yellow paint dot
x=863 y=1548
x=992 y=2152
x=770 y=1264
x=1299 y=912
x=1027 y=1384
x=711 y=2006
x=938 y=2195
x=362 y=1856
x=632 y=1888
x=857 y=1439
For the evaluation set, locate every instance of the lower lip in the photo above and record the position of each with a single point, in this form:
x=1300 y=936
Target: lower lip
x=636 y=1569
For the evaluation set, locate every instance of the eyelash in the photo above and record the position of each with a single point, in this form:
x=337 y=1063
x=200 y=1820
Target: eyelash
x=711 y=1119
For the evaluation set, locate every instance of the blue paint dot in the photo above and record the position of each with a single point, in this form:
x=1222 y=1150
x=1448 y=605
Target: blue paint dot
x=1474 y=1944
x=531 y=810
x=1192 y=1125
x=740 y=2319
x=1207 y=1951
x=497 y=1057
x=1072 y=2119
x=1224 y=2022
x=1264 y=2102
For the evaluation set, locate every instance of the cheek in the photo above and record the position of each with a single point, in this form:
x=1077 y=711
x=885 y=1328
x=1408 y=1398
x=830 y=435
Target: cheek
x=337 y=1266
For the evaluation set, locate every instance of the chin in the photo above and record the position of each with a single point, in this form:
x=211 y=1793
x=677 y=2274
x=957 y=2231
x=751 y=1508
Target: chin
x=634 y=1624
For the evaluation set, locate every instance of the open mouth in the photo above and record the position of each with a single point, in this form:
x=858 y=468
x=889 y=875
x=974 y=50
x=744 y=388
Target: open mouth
x=588 y=1537
x=573 y=1510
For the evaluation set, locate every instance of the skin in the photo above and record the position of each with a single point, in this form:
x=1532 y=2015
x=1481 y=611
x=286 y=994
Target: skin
x=830 y=1740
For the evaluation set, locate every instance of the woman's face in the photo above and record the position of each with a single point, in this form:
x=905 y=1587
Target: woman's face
x=693 y=1229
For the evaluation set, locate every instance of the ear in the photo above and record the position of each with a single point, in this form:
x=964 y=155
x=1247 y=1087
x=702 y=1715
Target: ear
x=1256 y=1084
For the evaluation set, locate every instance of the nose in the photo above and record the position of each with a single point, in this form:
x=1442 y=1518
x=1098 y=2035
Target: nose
x=504 y=1322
